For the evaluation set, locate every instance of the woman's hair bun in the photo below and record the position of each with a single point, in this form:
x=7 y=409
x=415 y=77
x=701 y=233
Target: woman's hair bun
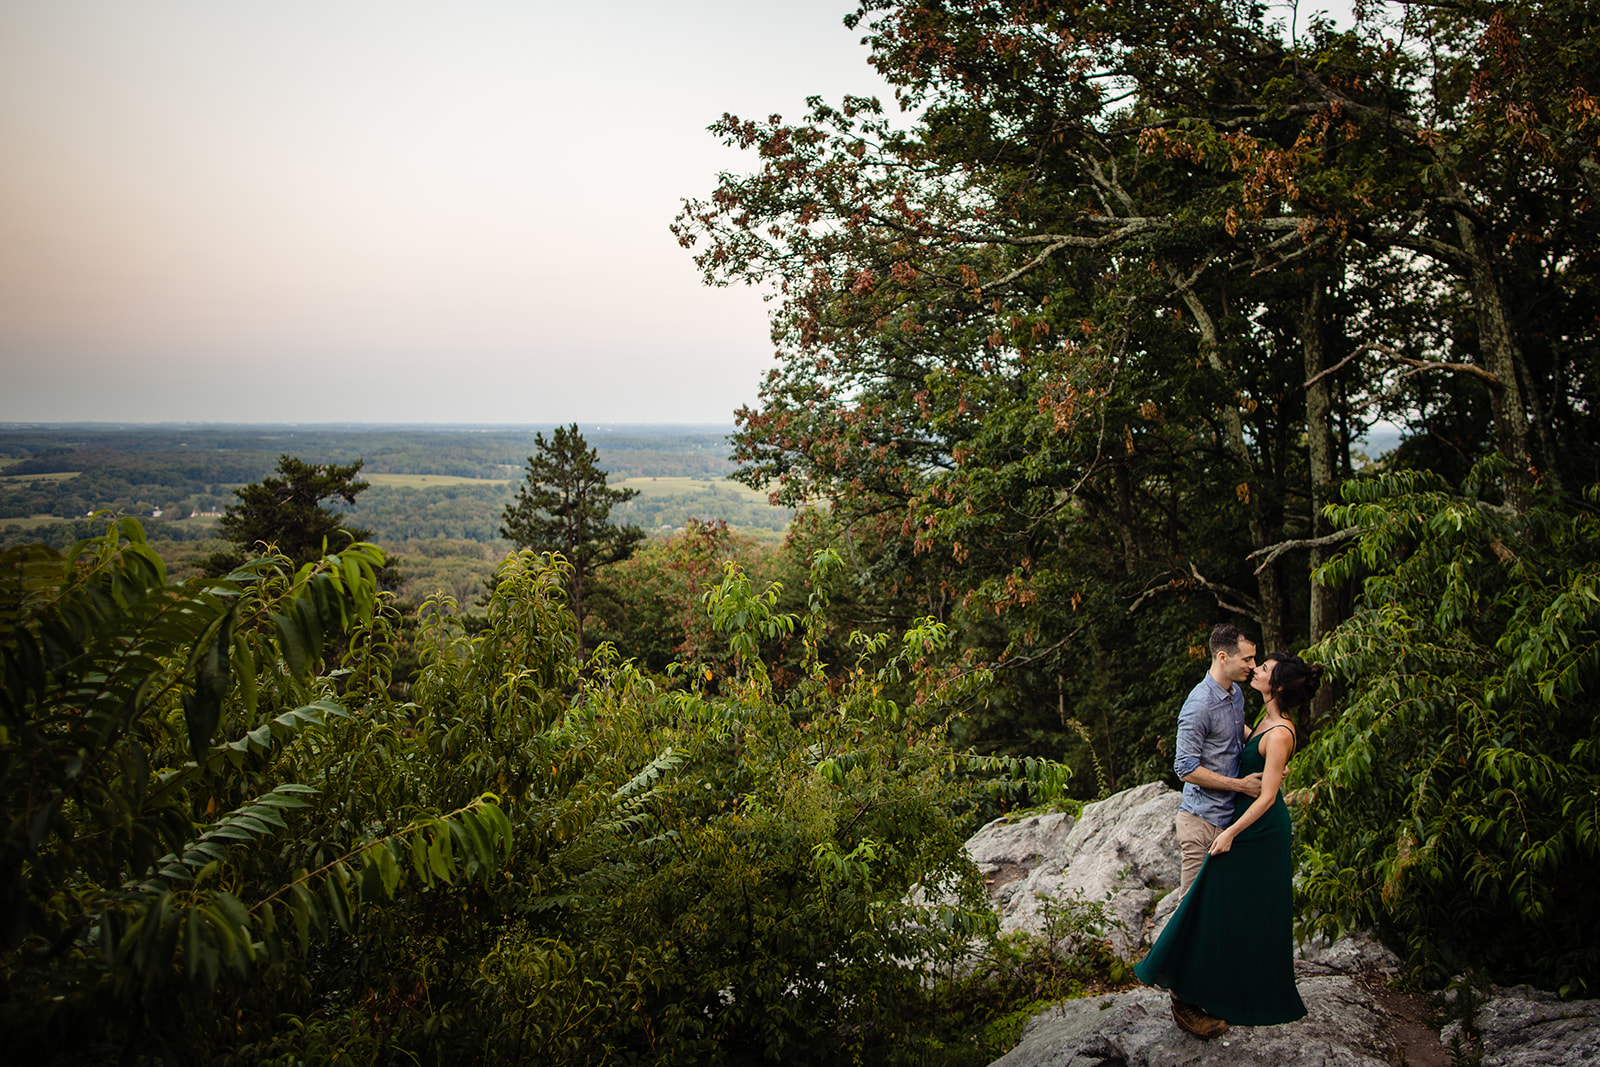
x=1295 y=680
x=1314 y=673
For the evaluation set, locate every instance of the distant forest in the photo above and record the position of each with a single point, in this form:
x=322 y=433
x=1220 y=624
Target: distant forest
x=435 y=496
x=177 y=478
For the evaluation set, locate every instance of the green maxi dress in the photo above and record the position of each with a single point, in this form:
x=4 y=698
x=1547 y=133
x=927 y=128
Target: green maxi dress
x=1230 y=945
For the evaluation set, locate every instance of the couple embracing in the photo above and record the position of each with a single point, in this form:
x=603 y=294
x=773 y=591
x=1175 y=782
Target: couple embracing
x=1227 y=953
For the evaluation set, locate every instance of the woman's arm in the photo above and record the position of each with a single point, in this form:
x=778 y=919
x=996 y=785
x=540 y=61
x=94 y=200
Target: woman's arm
x=1279 y=744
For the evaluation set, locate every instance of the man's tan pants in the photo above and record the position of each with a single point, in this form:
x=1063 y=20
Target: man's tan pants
x=1195 y=836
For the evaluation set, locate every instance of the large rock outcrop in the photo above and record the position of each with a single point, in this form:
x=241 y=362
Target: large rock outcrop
x=1135 y=1029
x=1123 y=851
x=1352 y=1022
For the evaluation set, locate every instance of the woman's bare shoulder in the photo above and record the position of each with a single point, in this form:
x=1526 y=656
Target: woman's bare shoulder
x=1286 y=737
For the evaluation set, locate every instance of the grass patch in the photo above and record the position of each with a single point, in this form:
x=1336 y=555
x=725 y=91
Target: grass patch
x=681 y=486
x=424 y=481
x=36 y=520
x=59 y=476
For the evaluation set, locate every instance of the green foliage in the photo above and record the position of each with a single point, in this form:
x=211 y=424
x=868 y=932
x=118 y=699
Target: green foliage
x=1453 y=804
x=564 y=506
x=978 y=1008
x=1023 y=424
x=778 y=887
x=138 y=720
x=463 y=511
x=1075 y=361
x=222 y=848
x=285 y=511
x=651 y=605
x=458 y=568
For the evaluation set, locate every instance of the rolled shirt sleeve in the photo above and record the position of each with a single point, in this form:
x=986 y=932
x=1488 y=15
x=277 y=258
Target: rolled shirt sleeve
x=1192 y=729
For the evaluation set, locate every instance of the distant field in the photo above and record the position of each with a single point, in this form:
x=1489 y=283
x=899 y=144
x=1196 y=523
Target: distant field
x=427 y=483
x=657 y=487
x=423 y=481
x=59 y=476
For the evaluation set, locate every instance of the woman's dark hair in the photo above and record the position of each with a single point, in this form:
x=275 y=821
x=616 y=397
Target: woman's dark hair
x=1294 y=680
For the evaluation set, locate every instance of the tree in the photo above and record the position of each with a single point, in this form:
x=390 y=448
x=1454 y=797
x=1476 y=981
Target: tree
x=656 y=610
x=1455 y=803
x=1099 y=324
x=149 y=736
x=1035 y=361
x=564 y=506
x=286 y=511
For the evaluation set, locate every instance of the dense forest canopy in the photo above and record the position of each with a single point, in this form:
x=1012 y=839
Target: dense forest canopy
x=1078 y=346
x=1075 y=347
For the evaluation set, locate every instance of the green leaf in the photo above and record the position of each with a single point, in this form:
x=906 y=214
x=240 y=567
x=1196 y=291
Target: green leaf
x=244 y=669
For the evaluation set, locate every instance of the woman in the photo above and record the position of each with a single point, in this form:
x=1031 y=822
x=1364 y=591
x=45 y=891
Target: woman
x=1228 y=951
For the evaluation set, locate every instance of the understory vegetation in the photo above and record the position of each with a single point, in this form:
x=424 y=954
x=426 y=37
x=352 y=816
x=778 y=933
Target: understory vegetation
x=227 y=842
x=1454 y=803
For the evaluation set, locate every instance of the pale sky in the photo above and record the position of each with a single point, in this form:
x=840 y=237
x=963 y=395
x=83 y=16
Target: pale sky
x=370 y=210
x=383 y=210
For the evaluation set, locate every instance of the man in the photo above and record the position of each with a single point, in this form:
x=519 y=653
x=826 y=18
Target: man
x=1210 y=741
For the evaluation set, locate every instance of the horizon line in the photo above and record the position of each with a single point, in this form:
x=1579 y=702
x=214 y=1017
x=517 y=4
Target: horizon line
x=47 y=424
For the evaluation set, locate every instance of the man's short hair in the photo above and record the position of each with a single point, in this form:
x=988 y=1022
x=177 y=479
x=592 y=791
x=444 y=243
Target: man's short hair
x=1225 y=637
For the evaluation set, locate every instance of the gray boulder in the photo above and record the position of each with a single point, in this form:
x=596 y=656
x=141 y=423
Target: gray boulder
x=1135 y=1029
x=1521 y=1026
x=1164 y=909
x=1358 y=954
x=1008 y=849
x=1122 y=850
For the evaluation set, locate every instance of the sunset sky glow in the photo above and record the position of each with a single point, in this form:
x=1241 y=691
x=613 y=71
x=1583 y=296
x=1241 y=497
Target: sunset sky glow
x=395 y=211
x=381 y=211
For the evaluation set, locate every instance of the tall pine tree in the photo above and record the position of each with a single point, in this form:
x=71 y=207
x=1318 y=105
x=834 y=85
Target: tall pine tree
x=565 y=506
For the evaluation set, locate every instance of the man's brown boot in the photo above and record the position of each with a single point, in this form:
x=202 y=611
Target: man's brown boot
x=1197 y=1021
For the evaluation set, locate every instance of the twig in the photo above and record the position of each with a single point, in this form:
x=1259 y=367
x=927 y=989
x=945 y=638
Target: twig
x=1023 y=661
x=1217 y=589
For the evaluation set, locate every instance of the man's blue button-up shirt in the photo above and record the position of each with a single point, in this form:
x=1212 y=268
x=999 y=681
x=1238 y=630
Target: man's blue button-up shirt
x=1210 y=735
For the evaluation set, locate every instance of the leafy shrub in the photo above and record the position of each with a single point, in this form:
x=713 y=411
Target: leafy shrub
x=171 y=768
x=1455 y=804
x=222 y=847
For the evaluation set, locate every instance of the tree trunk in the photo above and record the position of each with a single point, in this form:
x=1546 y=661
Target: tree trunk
x=1274 y=628
x=1550 y=468
x=1498 y=349
x=1125 y=515
x=1321 y=454
x=1270 y=595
